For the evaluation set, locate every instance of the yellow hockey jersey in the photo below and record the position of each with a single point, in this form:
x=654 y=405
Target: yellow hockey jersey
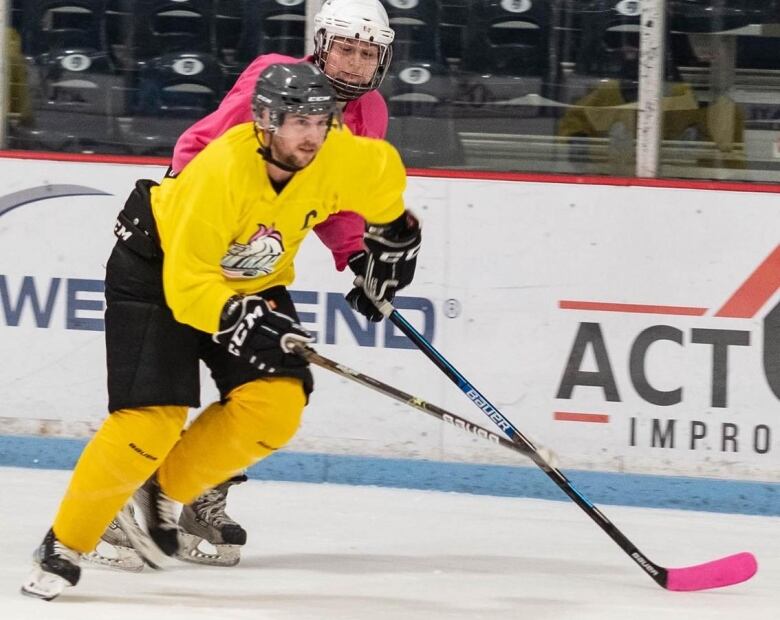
x=224 y=229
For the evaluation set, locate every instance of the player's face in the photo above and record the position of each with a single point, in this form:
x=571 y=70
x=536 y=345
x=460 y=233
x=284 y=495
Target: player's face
x=352 y=61
x=300 y=138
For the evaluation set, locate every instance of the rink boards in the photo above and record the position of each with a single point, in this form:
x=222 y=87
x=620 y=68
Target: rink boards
x=631 y=329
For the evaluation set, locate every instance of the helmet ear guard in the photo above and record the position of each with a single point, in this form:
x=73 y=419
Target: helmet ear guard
x=274 y=121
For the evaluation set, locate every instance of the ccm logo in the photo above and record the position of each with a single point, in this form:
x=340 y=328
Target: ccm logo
x=397 y=257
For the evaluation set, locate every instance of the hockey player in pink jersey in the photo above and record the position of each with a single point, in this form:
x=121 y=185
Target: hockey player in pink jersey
x=353 y=48
x=355 y=67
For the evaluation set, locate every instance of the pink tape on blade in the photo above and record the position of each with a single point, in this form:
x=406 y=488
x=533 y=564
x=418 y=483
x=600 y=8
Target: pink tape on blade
x=716 y=574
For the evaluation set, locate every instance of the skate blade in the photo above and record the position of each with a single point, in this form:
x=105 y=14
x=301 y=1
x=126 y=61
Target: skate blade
x=44 y=585
x=119 y=558
x=190 y=551
x=143 y=544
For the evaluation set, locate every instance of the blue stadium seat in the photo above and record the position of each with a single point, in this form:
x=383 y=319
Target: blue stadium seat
x=62 y=24
x=180 y=84
x=454 y=16
x=416 y=25
x=229 y=26
x=610 y=39
x=80 y=80
x=81 y=93
x=272 y=26
x=417 y=88
x=138 y=30
x=508 y=37
x=173 y=91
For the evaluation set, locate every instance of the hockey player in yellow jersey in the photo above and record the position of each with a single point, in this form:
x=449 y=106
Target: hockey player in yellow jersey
x=199 y=272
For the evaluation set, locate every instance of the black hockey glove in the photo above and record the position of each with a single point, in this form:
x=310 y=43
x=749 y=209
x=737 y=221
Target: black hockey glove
x=250 y=329
x=391 y=256
x=357 y=298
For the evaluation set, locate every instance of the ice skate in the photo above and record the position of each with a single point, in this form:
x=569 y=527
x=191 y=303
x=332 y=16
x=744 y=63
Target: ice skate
x=208 y=535
x=115 y=550
x=56 y=568
x=160 y=538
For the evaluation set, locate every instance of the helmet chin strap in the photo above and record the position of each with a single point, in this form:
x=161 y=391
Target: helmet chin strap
x=265 y=152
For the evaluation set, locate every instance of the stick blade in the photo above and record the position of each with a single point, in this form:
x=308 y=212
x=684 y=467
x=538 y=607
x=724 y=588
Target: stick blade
x=716 y=574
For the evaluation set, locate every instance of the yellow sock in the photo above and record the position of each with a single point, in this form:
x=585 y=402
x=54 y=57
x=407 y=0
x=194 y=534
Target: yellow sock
x=258 y=418
x=128 y=448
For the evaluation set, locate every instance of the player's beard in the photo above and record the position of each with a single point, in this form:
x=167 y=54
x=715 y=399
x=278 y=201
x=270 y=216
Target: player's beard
x=294 y=158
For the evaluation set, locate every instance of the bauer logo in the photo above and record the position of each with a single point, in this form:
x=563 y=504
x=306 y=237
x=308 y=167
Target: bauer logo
x=471 y=428
x=79 y=304
x=687 y=377
x=644 y=563
x=494 y=415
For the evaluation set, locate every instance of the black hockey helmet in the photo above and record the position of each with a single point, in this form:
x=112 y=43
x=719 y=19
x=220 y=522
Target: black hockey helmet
x=294 y=88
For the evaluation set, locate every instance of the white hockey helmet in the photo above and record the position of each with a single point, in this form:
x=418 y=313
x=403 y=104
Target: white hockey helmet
x=363 y=22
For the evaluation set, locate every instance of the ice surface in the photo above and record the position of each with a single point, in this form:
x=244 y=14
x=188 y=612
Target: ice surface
x=341 y=552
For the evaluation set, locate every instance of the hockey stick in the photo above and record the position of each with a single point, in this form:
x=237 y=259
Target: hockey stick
x=722 y=572
x=395 y=317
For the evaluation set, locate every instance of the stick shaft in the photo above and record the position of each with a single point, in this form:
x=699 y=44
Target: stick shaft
x=715 y=574
x=412 y=401
x=465 y=386
x=657 y=573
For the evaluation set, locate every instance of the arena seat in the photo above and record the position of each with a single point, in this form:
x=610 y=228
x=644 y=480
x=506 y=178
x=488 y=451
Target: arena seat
x=416 y=26
x=138 y=30
x=80 y=95
x=417 y=88
x=228 y=29
x=172 y=92
x=610 y=39
x=508 y=37
x=62 y=24
x=77 y=80
x=188 y=84
x=272 y=26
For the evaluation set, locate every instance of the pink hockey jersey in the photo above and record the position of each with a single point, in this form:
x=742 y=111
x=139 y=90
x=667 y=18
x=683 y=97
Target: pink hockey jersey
x=342 y=232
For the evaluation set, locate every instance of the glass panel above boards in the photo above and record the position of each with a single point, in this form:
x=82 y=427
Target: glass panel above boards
x=495 y=85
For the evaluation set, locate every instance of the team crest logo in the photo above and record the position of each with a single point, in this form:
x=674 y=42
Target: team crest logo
x=257 y=257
